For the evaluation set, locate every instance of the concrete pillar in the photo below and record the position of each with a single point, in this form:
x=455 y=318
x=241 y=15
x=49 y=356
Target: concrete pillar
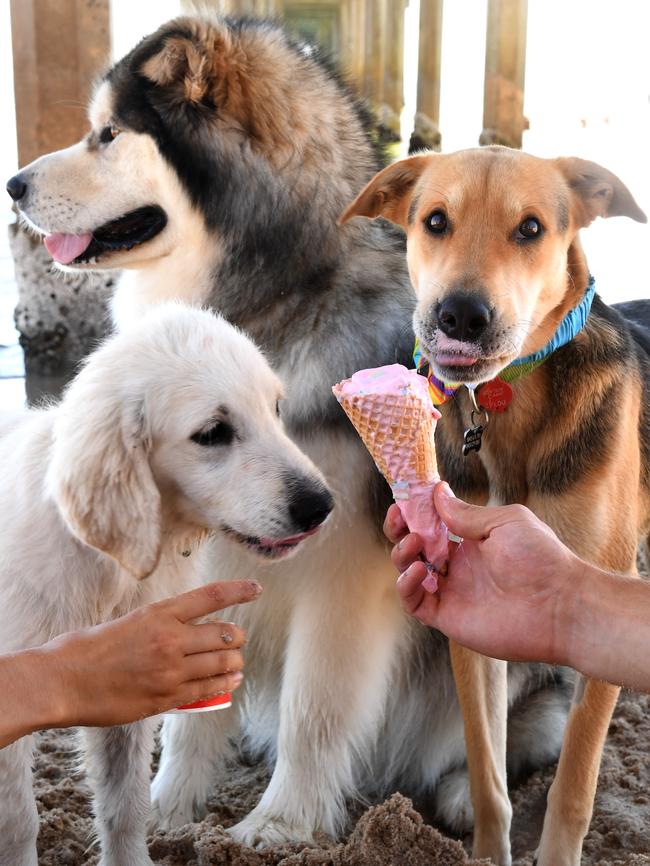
x=60 y=317
x=426 y=126
x=505 y=67
x=59 y=47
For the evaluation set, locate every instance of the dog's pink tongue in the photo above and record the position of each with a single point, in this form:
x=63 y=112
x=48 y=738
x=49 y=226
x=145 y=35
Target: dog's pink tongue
x=65 y=248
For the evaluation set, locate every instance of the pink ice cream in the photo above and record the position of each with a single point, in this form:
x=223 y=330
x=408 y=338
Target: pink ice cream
x=394 y=379
x=392 y=412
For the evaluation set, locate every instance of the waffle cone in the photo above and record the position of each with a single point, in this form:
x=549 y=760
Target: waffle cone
x=398 y=431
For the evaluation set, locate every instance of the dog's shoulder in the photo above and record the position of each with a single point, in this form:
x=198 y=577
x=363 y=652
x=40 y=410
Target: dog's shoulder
x=588 y=384
x=604 y=346
x=613 y=348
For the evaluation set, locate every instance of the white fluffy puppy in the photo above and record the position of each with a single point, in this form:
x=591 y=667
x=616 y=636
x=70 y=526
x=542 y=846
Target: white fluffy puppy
x=170 y=431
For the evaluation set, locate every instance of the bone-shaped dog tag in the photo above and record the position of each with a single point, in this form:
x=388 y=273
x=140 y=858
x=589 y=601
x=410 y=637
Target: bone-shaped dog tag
x=472 y=439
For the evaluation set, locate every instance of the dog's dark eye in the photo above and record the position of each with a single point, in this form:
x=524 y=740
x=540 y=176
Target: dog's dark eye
x=529 y=229
x=436 y=222
x=277 y=408
x=108 y=133
x=221 y=434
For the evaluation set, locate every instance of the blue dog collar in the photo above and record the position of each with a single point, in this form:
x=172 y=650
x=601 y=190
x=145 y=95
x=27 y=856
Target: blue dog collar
x=569 y=327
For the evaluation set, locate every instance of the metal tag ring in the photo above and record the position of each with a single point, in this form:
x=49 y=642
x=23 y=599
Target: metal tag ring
x=480 y=412
x=477 y=410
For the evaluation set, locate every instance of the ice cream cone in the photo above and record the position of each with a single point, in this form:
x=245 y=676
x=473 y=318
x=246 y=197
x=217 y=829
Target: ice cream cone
x=391 y=410
x=398 y=431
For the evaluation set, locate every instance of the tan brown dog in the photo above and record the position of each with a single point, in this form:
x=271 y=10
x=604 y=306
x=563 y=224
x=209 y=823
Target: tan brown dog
x=495 y=258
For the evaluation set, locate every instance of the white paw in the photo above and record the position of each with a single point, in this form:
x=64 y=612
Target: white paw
x=261 y=830
x=173 y=802
x=453 y=801
x=121 y=851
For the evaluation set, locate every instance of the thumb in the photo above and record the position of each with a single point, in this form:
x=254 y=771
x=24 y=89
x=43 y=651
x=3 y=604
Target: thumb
x=468 y=521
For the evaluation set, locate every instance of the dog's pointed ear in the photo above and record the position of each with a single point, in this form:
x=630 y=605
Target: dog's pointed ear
x=389 y=193
x=100 y=478
x=181 y=61
x=598 y=192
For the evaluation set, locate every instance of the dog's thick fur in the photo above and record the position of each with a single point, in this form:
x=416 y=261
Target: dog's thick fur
x=573 y=444
x=250 y=147
x=108 y=488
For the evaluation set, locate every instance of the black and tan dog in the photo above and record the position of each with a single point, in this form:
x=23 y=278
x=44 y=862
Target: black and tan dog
x=495 y=258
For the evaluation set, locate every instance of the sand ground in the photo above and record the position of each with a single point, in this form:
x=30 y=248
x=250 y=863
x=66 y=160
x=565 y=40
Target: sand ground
x=389 y=834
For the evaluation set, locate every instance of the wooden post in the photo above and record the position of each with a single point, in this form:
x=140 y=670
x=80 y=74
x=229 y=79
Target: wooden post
x=267 y=8
x=426 y=128
x=356 y=41
x=373 y=78
x=59 y=47
x=349 y=48
x=505 y=66
x=393 y=87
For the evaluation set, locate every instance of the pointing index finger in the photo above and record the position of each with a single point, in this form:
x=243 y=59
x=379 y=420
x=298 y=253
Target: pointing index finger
x=212 y=597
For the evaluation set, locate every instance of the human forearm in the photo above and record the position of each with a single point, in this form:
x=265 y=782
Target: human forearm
x=139 y=665
x=33 y=694
x=606 y=627
x=515 y=592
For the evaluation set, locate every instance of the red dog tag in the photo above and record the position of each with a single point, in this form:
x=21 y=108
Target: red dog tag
x=495 y=395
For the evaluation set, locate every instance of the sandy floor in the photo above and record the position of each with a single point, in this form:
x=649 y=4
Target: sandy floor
x=390 y=833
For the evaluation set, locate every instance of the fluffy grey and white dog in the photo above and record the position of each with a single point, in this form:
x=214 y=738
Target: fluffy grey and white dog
x=220 y=157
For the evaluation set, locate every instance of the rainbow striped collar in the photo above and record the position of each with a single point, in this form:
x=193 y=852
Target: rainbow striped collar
x=569 y=327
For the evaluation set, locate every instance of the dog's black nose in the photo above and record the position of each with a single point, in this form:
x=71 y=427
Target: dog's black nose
x=463 y=317
x=309 y=504
x=16 y=187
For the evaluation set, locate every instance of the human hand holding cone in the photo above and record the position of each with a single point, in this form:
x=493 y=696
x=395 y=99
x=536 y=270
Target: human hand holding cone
x=391 y=410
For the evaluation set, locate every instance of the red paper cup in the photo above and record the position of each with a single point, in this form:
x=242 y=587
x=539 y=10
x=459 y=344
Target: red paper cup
x=219 y=702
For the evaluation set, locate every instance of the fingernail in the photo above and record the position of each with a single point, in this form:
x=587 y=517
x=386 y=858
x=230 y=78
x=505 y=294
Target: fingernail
x=237 y=680
x=255 y=587
x=447 y=490
x=404 y=574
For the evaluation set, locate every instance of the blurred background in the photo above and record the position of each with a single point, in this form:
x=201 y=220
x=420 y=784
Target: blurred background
x=568 y=77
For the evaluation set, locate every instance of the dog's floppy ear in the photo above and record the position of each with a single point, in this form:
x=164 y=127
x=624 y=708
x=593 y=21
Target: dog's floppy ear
x=598 y=192
x=389 y=193
x=100 y=477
